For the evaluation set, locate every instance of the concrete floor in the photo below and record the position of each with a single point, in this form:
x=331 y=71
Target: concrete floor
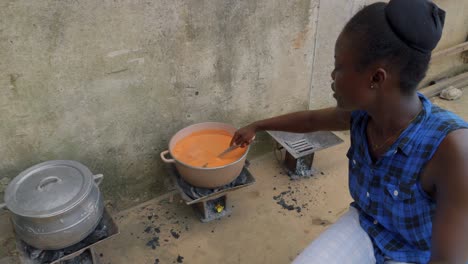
x=258 y=231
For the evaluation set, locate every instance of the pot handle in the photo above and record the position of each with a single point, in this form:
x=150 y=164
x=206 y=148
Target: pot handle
x=98 y=179
x=163 y=157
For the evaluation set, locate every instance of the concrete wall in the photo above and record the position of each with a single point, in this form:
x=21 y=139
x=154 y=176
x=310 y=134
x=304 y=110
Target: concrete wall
x=108 y=82
x=333 y=15
x=455 y=32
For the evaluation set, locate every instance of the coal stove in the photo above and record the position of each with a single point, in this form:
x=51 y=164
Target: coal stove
x=80 y=253
x=210 y=204
x=295 y=151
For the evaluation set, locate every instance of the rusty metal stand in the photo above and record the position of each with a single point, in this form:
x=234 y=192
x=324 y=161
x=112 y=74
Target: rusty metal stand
x=300 y=150
x=215 y=205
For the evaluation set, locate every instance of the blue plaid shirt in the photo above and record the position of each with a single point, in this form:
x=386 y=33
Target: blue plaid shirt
x=394 y=209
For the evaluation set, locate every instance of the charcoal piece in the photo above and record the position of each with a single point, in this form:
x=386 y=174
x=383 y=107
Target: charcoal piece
x=285 y=206
x=175 y=234
x=153 y=243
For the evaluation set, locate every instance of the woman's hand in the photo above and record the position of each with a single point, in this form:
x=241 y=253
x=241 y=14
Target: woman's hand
x=244 y=136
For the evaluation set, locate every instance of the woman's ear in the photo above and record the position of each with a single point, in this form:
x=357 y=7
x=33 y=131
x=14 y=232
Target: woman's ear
x=378 y=78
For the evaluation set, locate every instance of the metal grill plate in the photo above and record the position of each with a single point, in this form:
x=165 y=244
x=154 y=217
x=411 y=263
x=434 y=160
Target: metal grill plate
x=303 y=144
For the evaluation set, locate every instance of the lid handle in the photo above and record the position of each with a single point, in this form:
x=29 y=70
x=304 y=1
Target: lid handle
x=98 y=179
x=47 y=182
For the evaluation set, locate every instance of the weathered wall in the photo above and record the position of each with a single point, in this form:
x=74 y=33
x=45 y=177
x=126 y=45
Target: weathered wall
x=455 y=32
x=333 y=15
x=108 y=82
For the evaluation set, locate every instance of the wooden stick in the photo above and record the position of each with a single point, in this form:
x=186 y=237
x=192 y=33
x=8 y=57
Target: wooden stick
x=435 y=89
x=450 y=51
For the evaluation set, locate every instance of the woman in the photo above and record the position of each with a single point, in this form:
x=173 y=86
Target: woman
x=408 y=160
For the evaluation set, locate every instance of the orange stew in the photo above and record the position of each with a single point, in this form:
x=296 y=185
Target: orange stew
x=204 y=146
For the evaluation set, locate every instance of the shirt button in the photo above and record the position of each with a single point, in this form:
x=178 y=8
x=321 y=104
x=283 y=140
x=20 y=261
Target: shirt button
x=375 y=222
x=367 y=194
x=395 y=192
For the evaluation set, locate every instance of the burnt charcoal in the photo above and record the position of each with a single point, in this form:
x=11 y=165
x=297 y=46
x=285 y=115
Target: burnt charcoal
x=285 y=206
x=100 y=233
x=180 y=259
x=175 y=234
x=153 y=243
x=42 y=256
x=148 y=229
x=84 y=258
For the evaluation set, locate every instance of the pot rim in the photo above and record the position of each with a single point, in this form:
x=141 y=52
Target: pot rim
x=201 y=168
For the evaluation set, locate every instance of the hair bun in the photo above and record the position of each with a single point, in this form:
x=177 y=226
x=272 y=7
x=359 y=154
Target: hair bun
x=418 y=23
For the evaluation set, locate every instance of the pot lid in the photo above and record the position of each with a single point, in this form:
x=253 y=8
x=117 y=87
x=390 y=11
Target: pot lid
x=49 y=188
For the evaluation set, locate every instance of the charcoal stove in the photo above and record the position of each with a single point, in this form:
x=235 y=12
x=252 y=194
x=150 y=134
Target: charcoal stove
x=210 y=204
x=80 y=253
x=297 y=150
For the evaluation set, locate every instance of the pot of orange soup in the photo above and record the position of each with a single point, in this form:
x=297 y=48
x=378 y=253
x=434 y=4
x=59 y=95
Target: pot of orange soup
x=200 y=144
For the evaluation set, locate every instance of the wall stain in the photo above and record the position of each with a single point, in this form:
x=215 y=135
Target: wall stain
x=298 y=42
x=13 y=78
x=118 y=71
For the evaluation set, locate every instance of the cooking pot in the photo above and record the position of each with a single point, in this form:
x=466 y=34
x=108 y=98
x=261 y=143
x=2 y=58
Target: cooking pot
x=54 y=204
x=205 y=177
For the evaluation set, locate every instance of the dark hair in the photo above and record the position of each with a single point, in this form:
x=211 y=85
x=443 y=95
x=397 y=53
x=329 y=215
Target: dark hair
x=373 y=35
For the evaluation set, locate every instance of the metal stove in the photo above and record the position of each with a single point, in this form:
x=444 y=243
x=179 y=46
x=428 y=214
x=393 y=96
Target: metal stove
x=80 y=253
x=297 y=150
x=210 y=204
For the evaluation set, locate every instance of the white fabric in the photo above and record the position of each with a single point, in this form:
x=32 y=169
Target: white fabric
x=343 y=242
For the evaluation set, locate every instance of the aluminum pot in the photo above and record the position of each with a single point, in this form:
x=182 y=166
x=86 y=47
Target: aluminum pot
x=54 y=204
x=199 y=176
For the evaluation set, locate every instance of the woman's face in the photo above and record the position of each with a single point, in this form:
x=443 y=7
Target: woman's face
x=352 y=88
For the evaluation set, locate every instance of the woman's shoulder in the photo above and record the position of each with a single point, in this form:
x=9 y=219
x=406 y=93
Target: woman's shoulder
x=444 y=119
